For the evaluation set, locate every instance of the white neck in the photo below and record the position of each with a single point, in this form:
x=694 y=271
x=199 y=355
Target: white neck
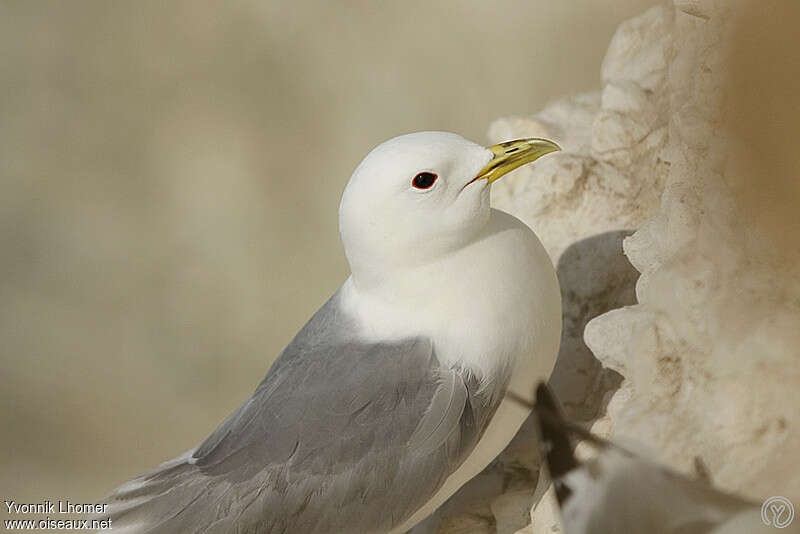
x=485 y=306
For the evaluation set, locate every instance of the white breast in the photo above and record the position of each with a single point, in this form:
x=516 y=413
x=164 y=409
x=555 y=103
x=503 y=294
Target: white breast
x=492 y=305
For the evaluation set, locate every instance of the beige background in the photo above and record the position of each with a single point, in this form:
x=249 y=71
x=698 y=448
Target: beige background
x=170 y=176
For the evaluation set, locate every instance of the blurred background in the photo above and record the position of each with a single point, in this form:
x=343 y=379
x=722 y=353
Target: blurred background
x=171 y=173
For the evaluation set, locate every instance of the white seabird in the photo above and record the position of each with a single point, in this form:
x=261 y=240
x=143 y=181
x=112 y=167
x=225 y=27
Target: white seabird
x=393 y=395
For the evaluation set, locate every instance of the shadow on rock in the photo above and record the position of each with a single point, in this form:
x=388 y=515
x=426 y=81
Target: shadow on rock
x=595 y=277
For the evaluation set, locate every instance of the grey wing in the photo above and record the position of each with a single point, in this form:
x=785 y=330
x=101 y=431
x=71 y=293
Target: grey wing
x=340 y=436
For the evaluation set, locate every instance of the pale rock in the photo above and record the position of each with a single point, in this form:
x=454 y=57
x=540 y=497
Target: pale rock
x=545 y=515
x=701 y=358
x=480 y=522
x=709 y=354
x=638 y=51
x=511 y=510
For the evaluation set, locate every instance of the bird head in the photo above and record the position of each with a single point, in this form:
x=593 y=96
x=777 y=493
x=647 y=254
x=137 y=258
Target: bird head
x=423 y=195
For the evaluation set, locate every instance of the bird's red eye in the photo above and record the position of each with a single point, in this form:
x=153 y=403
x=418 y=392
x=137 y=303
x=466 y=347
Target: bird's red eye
x=424 y=180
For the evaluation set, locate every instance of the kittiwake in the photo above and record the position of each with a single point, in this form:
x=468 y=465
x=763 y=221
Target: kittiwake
x=393 y=394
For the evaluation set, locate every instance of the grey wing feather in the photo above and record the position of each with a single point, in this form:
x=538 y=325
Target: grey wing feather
x=340 y=436
x=444 y=412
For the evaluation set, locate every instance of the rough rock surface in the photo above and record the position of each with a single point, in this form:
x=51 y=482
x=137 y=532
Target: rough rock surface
x=710 y=353
x=706 y=364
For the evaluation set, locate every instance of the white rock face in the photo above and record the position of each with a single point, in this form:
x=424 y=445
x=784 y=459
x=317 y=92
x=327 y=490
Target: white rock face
x=711 y=354
x=707 y=363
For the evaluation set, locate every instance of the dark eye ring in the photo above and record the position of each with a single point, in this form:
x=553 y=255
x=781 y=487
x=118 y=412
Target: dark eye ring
x=424 y=180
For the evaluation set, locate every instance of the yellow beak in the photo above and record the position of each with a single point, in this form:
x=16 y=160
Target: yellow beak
x=512 y=154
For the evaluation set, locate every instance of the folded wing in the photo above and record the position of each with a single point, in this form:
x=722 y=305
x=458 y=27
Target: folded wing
x=341 y=436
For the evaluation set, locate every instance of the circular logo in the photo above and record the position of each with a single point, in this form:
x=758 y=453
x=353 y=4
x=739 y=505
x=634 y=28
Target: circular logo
x=777 y=511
